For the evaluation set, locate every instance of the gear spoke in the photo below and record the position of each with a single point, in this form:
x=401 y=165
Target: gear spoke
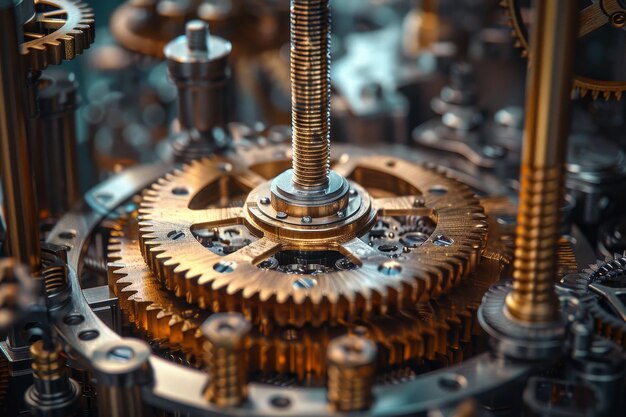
x=255 y=252
x=51 y=23
x=591 y=18
x=53 y=13
x=33 y=35
x=402 y=206
x=250 y=179
x=214 y=217
x=358 y=251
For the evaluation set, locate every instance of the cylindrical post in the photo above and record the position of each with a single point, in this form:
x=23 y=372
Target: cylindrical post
x=53 y=144
x=227 y=335
x=545 y=143
x=19 y=203
x=198 y=64
x=121 y=367
x=310 y=92
x=53 y=393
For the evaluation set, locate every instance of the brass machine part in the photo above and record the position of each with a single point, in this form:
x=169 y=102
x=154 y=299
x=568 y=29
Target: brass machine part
x=121 y=368
x=541 y=178
x=351 y=373
x=224 y=283
x=60 y=30
x=440 y=328
x=226 y=347
x=47 y=363
x=52 y=389
x=310 y=96
x=20 y=212
x=594 y=16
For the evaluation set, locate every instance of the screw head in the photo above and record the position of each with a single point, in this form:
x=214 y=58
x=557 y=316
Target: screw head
x=306 y=220
x=618 y=20
x=341 y=214
x=265 y=201
x=443 y=240
x=419 y=202
x=226 y=329
x=353 y=192
x=281 y=215
x=351 y=351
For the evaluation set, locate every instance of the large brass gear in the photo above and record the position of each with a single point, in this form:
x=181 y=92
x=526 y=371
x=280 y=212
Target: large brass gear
x=60 y=30
x=435 y=330
x=599 y=13
x=377 y=286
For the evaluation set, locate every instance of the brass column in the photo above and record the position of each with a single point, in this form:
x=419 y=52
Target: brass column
x=546 y=131
x=310 y=91
x=17 y=184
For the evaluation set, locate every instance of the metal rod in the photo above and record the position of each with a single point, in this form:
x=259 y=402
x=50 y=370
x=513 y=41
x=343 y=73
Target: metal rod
x=17 y=182
x=310 y=92
x=53 y=144
x=545 y=143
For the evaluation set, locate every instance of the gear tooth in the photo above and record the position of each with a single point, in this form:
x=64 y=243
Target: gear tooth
x=606 y=95
x=524 y=53
x=595 y=94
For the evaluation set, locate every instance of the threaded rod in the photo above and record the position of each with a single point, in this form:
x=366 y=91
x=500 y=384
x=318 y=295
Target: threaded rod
x=541 y=190
x=310 y=92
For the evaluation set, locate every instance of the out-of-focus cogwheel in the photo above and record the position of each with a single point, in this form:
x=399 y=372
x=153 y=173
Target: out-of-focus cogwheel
x=595 y=15
x=601 y=289
x=60 y=30
x=353 y=279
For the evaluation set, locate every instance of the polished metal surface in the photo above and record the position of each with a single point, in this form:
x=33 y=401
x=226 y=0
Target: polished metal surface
x=543 y=157
x=198 y=64
x=20 y=209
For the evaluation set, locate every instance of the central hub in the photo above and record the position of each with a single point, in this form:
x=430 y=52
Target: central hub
x=341 y=211
x=296 y=201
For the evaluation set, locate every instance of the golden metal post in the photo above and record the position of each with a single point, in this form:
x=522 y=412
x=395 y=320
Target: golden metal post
x=545 y=143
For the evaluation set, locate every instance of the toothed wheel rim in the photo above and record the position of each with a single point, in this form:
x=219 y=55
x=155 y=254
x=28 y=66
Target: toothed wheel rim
x=60 y=30
x=185 y=267
x=442 y=328
x=584 y=85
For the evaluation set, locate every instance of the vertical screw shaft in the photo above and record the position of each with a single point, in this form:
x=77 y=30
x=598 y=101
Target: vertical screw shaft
x=541 y=190
x=351 y=370
x=310 y=92
x=197 y=33
x=227 y=335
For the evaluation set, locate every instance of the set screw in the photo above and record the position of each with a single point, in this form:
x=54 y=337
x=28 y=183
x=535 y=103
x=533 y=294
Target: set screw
x=227 y=338
x=351 y=371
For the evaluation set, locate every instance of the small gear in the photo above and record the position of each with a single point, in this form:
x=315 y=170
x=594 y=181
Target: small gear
x=378 y=284
x=60 y=30
x=601 y=288
x=592 y=17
